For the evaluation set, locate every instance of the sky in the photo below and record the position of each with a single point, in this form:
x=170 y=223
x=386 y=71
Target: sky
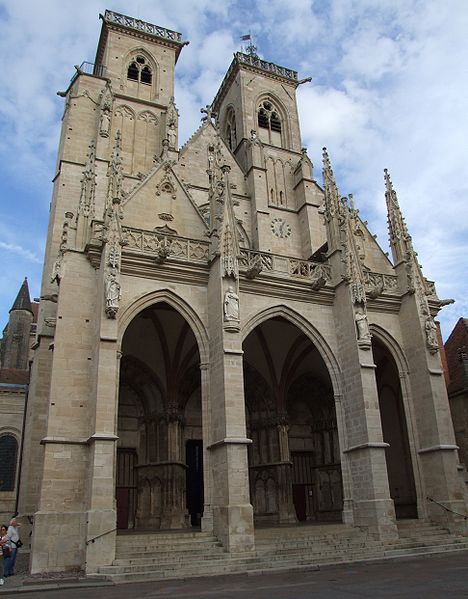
x=389 y=90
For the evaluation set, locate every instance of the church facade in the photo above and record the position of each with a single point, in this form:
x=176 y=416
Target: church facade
x=221 y=342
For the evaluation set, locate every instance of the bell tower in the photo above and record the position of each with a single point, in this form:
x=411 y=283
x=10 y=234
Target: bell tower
x=258 y=119
x=138 y=58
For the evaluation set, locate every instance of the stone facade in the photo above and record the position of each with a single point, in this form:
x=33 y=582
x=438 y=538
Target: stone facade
x=457 y=384
x=221 y=342
x=15 y=354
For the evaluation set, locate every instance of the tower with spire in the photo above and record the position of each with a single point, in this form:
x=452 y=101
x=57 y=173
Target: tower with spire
x=15 y=345
x=222 y=345
x=15 y=355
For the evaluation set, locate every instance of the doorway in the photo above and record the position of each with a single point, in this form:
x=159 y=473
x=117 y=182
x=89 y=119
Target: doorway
x=194 y=480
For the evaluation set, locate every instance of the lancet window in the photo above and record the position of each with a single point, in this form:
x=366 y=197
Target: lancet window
x=231 y=132
x=269 y=123
x=139 y=70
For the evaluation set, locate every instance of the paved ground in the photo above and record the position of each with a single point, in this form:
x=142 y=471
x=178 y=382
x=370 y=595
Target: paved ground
x=422 y=578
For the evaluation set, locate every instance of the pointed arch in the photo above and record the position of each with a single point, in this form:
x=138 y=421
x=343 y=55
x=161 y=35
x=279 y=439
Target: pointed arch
x=275 y=120
x=229 y=128
x=396 y=352
x=140 y=68
x=309 y=330
x=179 y=304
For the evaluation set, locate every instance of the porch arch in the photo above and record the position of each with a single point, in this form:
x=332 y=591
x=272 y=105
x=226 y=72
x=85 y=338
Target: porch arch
x=179 y=304
x=395 y=352
x=309 y=331
x=295 y=419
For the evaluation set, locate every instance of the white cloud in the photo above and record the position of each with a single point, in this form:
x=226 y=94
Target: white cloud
x=21 y=251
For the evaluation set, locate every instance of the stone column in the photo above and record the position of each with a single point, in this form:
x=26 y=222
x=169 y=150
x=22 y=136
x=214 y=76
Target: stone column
x=60 y=524
x=286 y=510
x=207 y=520
x=101 y=505
x=364 y=452
x=232 y=511
x=435 y=438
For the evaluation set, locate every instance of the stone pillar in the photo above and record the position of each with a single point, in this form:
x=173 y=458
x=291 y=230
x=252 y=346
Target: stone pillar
x=60 y=524
x=207 y=520
x=232 y=511
x=101 y=504
x=435 y=439
x=364 y=452
x=286 y=510
x=348 y=514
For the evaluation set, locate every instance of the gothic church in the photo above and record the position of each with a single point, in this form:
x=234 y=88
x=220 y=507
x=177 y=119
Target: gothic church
x=222 y=346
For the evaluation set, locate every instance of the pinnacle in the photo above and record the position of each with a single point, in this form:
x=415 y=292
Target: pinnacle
x=23 y=300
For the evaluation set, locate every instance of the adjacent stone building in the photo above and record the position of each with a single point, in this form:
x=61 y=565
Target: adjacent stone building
x=456 y=350
x=15 y=353
x=221 y=342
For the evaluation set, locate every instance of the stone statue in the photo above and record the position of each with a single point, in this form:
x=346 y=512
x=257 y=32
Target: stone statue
x=231 y=304
x=172 y=135
x=431 y=335
x=105 y=123
x=113 y=294
x=362 y=325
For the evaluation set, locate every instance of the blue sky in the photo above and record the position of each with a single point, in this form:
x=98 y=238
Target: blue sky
x=390 y=89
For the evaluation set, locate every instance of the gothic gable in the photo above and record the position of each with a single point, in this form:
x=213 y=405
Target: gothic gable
x=161 y=199
x=197 y=157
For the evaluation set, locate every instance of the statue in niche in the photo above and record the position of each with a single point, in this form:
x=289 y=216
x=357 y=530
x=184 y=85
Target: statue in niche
x=231 y=304
x=113 y=294
x=105 y=123
x=431 y=335
x=362 y=325
x=172 y=135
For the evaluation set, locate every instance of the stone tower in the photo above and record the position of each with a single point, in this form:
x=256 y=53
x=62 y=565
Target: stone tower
x=16 y=338
x=221 y=341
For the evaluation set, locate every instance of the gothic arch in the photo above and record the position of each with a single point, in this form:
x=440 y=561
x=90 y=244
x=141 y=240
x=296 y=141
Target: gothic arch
x=230 y=128
x=283 y=114
x=309 y=331
x=151 y=61
x=139 y=377
x=147 y=115
x=392 y=345
x=399 y=358
x=180 y=305
x=9 y=451
x=124 y=110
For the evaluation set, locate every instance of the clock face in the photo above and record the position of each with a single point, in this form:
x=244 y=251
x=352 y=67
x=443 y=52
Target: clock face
x=280 y=227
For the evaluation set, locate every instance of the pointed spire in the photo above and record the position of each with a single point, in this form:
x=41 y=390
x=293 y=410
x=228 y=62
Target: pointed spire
x=229 y=242
x=400 y=240
x=333 y=206
x=115 y=173
x=23 y=300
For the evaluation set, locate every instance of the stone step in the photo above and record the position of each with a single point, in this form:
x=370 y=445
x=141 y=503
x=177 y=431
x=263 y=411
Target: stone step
x=131 y=549
x=163 y=540
x=423 y=549
x=185 y=555
x=245 y=563
x=273 y=557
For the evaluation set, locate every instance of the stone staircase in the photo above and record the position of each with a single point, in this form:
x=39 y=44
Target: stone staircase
x=176 y=555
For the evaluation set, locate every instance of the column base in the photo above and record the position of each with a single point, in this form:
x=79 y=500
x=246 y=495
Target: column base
x=101 y=551
x=58 y=542
x=233 y=525
x=378 y=516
